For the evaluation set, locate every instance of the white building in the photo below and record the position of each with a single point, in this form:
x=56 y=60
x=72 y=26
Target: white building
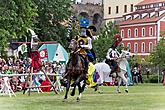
x=89 y=1
x=115 y=9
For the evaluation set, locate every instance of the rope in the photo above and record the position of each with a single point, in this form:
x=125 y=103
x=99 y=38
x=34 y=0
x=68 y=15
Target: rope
x=10 y=75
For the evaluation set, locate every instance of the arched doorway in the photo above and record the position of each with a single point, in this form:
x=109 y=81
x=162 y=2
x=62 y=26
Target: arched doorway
x=84 y=15
x=97 y=19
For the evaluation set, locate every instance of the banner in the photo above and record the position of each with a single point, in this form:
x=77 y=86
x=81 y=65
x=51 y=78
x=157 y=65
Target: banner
x=22 y=48
x=43 y=54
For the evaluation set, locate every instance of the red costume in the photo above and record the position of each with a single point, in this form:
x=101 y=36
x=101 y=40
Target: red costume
x=34 y=55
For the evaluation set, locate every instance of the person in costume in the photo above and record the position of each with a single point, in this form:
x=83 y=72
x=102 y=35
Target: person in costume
x=84 y=42
x=34 y=54
x=90 y=32
x=113 y=54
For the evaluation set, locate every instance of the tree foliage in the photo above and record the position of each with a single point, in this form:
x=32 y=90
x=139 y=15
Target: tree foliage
x=46 y=17
x=15 y=17
x=105 y=40
x=158 y=55
x=52 y=15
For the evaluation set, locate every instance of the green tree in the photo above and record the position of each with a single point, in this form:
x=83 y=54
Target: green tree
x=15 y=17
x=158 y=55
x=52 y=15
x=105 y=40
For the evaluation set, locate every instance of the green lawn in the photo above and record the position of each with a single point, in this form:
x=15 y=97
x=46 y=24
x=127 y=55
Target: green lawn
x=141 y=97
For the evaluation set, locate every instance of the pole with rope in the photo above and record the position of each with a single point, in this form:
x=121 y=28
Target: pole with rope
x=35 y=64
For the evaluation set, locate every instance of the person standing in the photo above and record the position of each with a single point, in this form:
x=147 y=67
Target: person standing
x=163 y=74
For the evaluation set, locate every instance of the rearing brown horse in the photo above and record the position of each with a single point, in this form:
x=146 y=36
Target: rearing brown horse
x=75 y=70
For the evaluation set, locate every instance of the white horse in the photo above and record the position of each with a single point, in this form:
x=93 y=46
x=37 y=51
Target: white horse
x=104 y=70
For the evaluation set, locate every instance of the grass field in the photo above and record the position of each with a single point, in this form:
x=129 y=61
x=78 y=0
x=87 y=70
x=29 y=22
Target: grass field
x=141 y=97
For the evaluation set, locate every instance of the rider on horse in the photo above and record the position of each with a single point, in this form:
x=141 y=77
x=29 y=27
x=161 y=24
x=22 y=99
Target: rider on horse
x=113 y=54
x=91 y=30
x=85 y=43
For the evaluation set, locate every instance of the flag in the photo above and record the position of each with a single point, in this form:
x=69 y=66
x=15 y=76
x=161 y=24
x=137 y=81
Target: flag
x=43 y=54
x=22 y=48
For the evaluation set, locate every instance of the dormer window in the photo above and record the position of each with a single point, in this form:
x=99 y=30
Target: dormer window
x=157 y=14
x=149 y=15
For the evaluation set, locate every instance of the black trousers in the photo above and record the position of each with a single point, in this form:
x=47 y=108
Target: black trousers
x=113 y=65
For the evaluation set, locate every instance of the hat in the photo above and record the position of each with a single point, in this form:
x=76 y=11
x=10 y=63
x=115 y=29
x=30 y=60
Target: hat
x=84 y=22
x=89 y=33
x=92 y=27
x=117 y=39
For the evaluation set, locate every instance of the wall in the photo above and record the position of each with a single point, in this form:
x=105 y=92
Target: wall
x=139 y=39
x=92 y=1
x=113 y=3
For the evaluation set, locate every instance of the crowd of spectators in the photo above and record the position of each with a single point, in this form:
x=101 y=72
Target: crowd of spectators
x=18 y=66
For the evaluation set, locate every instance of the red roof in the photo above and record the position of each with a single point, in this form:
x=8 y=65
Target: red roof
x=140 y=21
x=144 y=2
x=142 y=11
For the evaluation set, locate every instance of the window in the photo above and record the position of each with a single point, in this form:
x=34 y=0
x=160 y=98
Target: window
x=135 y=48
x=117 y=9
x=131 y=7
x=150 y=47
x=151 y=31
x=136 y=32
x=143 y=32
x=122 y=33
x=129 y=33
x=143 y=47
x=125 y=8
x=129 y=46
x=109 y=10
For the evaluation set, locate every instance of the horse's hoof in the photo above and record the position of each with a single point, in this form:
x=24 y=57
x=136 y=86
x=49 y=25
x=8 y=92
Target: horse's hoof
x=126 y=91
x=100 y=92
x=118 y=91
x=72 y=94
x=64 y=100
x=96 y=88
x=78 y=99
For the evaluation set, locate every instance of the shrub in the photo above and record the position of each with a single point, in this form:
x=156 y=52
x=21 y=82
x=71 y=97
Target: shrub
x=152 y=78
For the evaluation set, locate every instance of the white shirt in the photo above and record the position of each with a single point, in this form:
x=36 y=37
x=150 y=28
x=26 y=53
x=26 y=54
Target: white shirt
x=114 y=54
x=89 y=45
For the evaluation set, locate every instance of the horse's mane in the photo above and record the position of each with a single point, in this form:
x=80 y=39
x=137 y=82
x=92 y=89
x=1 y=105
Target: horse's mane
x=76 y=62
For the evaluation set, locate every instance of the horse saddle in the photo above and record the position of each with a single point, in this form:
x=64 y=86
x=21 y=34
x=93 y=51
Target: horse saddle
x=76 y=66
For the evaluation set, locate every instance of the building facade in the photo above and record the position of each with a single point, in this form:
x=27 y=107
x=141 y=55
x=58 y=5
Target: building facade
x=93 y=12
x=90 y=1
x=115 y=9
x=141 y=29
